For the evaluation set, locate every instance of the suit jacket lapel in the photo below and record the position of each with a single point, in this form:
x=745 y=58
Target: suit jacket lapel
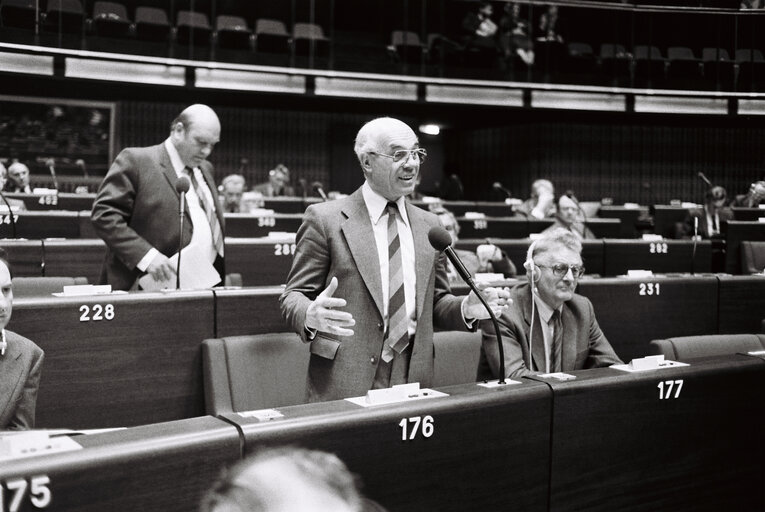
x=424 y=254
x=360 y=237
x=10 y=375
x=168 y=171
x=538 y=340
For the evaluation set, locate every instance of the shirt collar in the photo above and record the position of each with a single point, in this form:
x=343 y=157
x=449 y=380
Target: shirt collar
x=3 y=343
x=545 y=311
x=175 y=158
x=376 y=204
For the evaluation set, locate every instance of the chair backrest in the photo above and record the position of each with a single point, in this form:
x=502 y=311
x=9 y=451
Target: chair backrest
x=611 y=51
x=243 y=373
x=747 y=55
x=752 y=257
x=576 y=49
x=715 y=54
x=456 y=357
x=153 y=15
x=643 y=52
x=272 y=27
x=110 y=10
x=236 y=23
x=70 y=6
x=307 y=31
x=405 y=38
x=40 y=286
x=193 y=19
x=689 y=347
x=680 y=53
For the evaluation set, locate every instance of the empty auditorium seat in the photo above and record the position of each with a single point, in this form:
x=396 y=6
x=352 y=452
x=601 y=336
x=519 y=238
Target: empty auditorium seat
x=456 y=357
x=64 y=16
x=232 y=32
x=407 y=46
x=243 y=373
x=151 y=23
x=110 y=19
x=271 y=36
x=18 y=13
x=616 y=63
x=683 y=68
x=683 y=348
x=751 y=69
x=718 y=67
x=193 y=28
x=752 y=257
x=649 y=66
x=309 y=38
x=42 y=286
x=579 y=60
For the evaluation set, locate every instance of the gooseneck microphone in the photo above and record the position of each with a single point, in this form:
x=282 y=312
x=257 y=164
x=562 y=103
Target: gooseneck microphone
x=319 y=189
x=49 y=163
x=441 y=241
x=182 y=185
x=705 y=179
x=498 y=186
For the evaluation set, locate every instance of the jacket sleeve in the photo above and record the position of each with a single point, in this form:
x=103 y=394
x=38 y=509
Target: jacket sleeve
x=24 y=416
x=513 y=345
x=601 y=353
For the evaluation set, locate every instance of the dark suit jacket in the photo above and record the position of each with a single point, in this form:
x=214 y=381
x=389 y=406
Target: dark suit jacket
x=136 y=208
x=724 y=214
x=473 y=264
x=579 y=228
x=20 y=369
x=337 y=239
x=584 y=345
x=267 y=190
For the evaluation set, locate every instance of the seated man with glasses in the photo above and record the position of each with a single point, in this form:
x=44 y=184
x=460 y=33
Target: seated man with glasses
x=548 y=328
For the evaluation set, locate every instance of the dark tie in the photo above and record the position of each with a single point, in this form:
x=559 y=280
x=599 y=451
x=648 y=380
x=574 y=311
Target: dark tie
x=557 y=341
x=715 y=227
x=397 y=336
x=209 y=209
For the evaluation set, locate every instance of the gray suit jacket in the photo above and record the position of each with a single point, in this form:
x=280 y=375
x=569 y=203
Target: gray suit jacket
x=336 y=239
x=20 y=369
x=584 y=344
x=136 y=208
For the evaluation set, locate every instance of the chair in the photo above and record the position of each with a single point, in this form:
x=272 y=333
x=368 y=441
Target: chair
x=649 y=66
x=718 y=67
x=308 y=36
x=193 y=28
x=579 y=61
x=752 y=257
x=41 y=286
x=18 y=13
x=110 y=19
x=407 y=46
x=271 y=36
x=244 y=373
x=616 y=63
x=683 y=68
x=151 y=23
x=751 y=69
x=232 y=32
x=683 y=348
x=64 y=15
x=456 y=357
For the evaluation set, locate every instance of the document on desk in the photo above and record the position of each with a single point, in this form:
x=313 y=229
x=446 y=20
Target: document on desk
x=196 y=272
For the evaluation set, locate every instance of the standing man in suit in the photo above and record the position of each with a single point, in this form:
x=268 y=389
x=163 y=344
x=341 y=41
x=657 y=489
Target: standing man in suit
x=549 y=328
x=366 y=288
x=20 y=364
x=137 y=206
x=710 y=217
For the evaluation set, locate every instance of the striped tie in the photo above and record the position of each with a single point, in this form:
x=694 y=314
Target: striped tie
x=209 y=209
x=397 y=335
x=557 y=343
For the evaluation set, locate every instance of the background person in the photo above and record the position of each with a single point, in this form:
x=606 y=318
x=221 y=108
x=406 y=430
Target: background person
x=18 y=178
x=569 y=216
x=277 y=184
x=541 y=204
x=709 y=217
x=232 y=189
x=753 y=197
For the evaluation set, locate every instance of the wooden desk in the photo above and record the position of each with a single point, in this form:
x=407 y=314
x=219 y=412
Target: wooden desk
x=488 y=450
x=25 y=256
x=494 y=227
x=660 y=257
x=42 y=224
x=74 y=258
x=163 y=467
x=287 y=204
x=488 y=208
x=261 y=262
x=735 y=232
x=632 y=312
x=742 y=304
x=665 y=217
x=118 y=360
x=747 y=214
x=630 y=442
x=627 y=216
x=248 y=311
x=245 y=225
x=60 y=201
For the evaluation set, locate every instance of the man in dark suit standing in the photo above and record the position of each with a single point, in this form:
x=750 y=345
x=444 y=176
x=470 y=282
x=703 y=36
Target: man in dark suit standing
x=137 y=206
x=549 y=328
x=366 y=288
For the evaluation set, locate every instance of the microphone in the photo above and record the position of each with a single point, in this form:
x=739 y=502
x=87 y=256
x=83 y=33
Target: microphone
x=182 y=185
x=498 y=186
x=695 y=241
x=49 y=163
x=319 y=189
x=10 y=215
x=80 y=163
x=705 y=179
x=441 y=241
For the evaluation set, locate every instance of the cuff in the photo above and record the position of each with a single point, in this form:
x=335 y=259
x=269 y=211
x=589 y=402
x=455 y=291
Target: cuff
x=148 y=257
x=469 y=322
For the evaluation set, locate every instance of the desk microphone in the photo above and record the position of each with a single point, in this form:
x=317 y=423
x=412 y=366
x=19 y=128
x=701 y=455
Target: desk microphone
x=319 y=189
x=441 y=241
x=695 y=241
x=182 y=185
x=49 y=163
x=80 y=163
x=498 y=186
x=705 y=179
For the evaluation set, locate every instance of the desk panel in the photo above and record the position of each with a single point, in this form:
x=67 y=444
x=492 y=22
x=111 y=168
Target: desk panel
x=496 y=227
x=629 y=442
x=244 y=225
x=142 y=365
x=605 y=228
x=163 y=467
x=248 y=311
x=60 y=201
x=633 y=312
x=25 y=256
x=627 y=216
x=742 y=304
x=261 y=262
x=665 y=217
x=489 y=449
x=748 y=214
x=287 y=204
x=661 y=257
x=735 y=233
x=75 y=258
x=42 y=224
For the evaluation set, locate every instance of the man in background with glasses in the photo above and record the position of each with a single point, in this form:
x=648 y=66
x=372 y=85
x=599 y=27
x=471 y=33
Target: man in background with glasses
x=366 y=287
x=549 y=328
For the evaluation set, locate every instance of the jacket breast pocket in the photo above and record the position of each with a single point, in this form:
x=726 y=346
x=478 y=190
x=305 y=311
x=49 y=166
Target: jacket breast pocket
x=324 y=347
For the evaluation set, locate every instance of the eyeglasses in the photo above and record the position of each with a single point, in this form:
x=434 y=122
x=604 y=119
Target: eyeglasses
x=403 y=154
x=561 y=269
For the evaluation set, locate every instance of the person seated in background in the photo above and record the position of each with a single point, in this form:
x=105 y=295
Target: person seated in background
x=287 y=479
x=753 y=198
x=541 y=204
x=18 y=178
x=480 y=29
x=232 y=188
x=13 y=204
x=20 y=363
x=514 y=38
x=548 y=327
x=570 y=218
x=705 y=222
x=486 y=258
x=277 y=184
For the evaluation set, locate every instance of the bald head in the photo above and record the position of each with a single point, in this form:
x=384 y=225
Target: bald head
x=194 y=133
x=377 y=133
x=18 y=173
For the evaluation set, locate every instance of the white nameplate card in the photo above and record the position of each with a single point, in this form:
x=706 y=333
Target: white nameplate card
x=262 y=414
x=474 y=215
x=558 y=376
x=639 y=274
x=31 y=443
x=649 y=237
x=79 y=290
x=396 y=394
x=648 y=363
x=496 y=384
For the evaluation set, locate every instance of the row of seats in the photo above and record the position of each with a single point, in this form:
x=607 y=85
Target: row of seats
x=111 y=19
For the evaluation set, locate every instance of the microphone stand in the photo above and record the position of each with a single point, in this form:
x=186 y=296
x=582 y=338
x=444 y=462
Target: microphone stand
x=180 y=242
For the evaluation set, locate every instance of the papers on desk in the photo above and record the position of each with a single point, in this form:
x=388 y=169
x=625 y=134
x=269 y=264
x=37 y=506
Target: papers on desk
x=648 y=363
x=196 y=272
x=394 y=395
x=16 y=445
x=80 y=290
x=262 y=414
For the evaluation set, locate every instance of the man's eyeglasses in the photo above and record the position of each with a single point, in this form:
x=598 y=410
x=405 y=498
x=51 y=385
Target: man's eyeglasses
x=403 y=154
x=562 y=269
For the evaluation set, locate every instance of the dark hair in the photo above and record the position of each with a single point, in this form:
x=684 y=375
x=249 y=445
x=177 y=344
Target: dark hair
x=716 y=193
